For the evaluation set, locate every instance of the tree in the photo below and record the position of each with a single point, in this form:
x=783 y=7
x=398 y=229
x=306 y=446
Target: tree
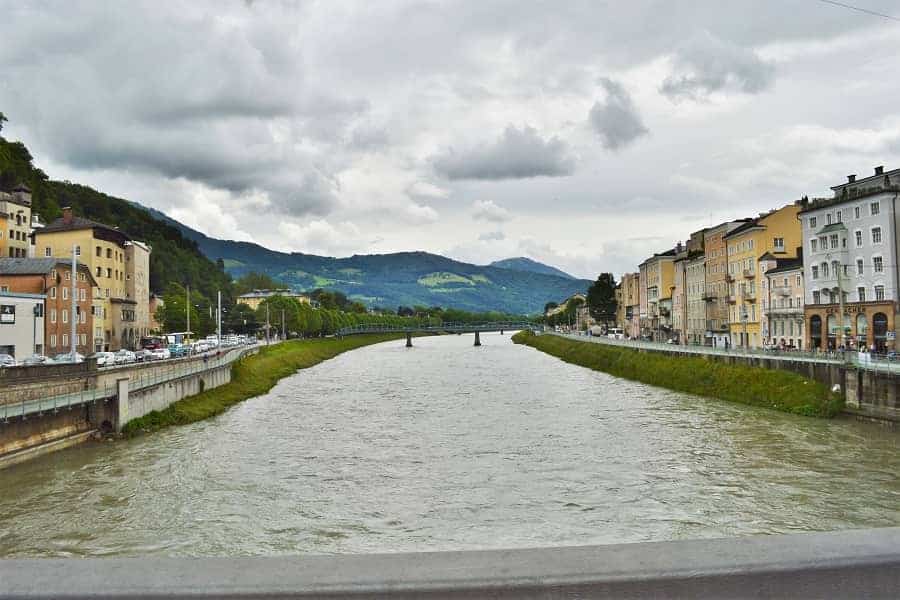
x=549 y=306
x=2 y=119
x=255 y=281
x=601 y=299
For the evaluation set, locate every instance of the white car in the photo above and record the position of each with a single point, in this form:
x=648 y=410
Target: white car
x=124 y=357
x=104 y=359
x=67 y=357
x=160 y=354
x=7 y=360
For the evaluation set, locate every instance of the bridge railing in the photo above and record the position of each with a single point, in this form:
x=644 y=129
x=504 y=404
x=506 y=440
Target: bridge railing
x=846 y=564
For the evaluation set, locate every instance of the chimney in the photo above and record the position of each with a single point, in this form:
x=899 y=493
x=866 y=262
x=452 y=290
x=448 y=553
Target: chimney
x=879 y=170
x=851 y=178
x=67 y=215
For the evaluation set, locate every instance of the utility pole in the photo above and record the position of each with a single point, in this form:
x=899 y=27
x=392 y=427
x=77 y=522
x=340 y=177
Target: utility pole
x=283 y=333
x=267 y=323
x=219 y=318
x=73 y=340
x=187 y=308
x=840 y=305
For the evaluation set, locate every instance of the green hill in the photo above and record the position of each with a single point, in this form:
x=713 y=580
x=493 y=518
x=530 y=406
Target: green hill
x=402 y=278
x=523 y=263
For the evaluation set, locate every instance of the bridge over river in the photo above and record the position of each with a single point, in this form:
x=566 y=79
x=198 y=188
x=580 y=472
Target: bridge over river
x=458 y=328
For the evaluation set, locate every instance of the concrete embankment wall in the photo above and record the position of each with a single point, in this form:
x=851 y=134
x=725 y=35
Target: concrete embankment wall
x=133 y=404
x=26 y=436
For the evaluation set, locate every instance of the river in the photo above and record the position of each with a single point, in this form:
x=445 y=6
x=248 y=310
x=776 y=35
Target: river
x=446 y=446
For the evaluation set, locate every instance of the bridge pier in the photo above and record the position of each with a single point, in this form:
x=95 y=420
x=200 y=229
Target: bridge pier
x=409 y=339
x=477 y=338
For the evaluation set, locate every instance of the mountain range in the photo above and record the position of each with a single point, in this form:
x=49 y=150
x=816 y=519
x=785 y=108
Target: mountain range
x=516 y=285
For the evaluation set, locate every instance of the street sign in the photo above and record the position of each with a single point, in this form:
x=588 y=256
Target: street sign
x=7 y=314
x=891 y=335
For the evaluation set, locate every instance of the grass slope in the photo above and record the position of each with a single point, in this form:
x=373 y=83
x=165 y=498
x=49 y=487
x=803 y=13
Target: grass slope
x=252 y=376
x=779 y=390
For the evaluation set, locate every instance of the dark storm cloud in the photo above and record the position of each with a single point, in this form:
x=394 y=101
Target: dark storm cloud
x=707 y=64
x=616 y=120
x=517 y=154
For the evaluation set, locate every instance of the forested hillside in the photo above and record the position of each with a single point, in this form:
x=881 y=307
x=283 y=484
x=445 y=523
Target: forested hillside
x=175 y=258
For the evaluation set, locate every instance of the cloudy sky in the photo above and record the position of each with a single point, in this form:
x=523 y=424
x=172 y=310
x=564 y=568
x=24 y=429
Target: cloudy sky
x=584 y=134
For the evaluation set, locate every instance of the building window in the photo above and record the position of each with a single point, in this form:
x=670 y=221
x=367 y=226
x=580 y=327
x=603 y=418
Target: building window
x=65 y=340
x=823 y=242
x=65 y=293
x=817 y=297
x=779 y=243
x=53 y=340
x=53 y=315
x=855 y=212
x=838 y=214
x=859 y=266
x=861 y=292
x=108 y=253
x=876 y=235
x=68 y=276
x=99 y=252
x=824 y=269
x=879 y=292
x=99 y=272
x=53 y=293
x=828 y=219
x=858 y=235
x=834 y=241
x=812 y=222
x=878 y=264
x=815 y=272
x=65 y=316
x=813 y=244
x=874 y=208
x=109 y=273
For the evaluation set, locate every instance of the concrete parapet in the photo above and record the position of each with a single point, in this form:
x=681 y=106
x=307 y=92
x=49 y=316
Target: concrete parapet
x=846 y=564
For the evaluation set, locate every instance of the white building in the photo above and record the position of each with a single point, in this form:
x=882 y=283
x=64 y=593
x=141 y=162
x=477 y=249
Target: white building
x=21 y=324
x=850 y=247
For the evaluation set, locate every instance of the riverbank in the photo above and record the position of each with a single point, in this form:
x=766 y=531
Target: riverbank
x=779 y=390
x=250 y=377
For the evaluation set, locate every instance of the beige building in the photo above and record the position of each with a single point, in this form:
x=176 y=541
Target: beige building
x=696 y=305
x=630 y=286
x=15 y=222
x=104 y=250
x=782 y=301
x=137 y=286
x=716 y=295
x=657 y=283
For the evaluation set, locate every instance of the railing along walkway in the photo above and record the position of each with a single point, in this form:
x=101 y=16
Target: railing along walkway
x=173 y=369
x=444 y=328
x=849 y=358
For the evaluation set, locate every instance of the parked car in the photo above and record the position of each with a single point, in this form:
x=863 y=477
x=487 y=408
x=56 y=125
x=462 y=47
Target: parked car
x=67 y=357
x=7 y=361
x=161 y=354
x=37 y=359
x=124 y=357
x=143 y=356
x=104 y=359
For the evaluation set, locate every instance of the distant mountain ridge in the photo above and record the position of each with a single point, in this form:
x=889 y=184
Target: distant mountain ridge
x=397 y=279
x=523 y=263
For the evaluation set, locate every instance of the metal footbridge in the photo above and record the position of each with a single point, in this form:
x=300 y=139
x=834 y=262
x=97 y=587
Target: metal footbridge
x=444 y=328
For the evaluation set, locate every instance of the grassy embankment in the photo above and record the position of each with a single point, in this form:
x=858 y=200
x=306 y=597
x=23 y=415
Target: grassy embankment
x=780 y=390
x=252 y=376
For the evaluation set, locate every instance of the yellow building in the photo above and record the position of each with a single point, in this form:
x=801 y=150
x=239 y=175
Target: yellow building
x=657 y=278
x=777 y=232
x=104 y=249
x=15 y=222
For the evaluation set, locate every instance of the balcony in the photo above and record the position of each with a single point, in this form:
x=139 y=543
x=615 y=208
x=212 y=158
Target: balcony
x=782 y=291
x=749 y=295
x=786 y=311
x=729 y=277
x=732 y=298
x=709 y=296
x=749 y=274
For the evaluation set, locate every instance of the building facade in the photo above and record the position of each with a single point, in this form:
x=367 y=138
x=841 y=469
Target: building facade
x=851 y=251
x=782 y=302
x=21 y=324
x=137 y=289
x=716 y=294
x=15 y=222
x=631 y=299
x=104 y=250
x=657 y=275
x=695 y=305
x=255 y=298
x=51 y=278
x=776 y=232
